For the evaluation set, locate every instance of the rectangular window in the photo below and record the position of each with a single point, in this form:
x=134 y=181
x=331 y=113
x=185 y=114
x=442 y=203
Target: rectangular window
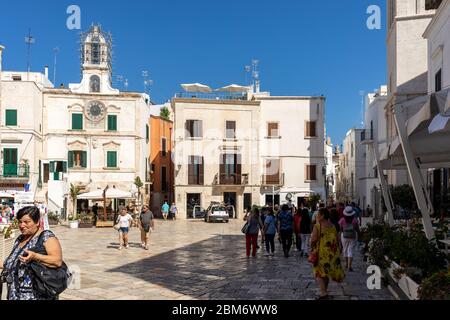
x=164 y=146
x=352 y=151
x=195 y=170
x=11 y=118
x=311 y=173
x=164 y=186
x=10 y=162
x=77 y=159
x=231 y=129
x=77 y=121
x=46 y=172
x=112 y=123
x=438 y=81
x=147 y=133
x=272 y=130
x=272 y=172
x=111 y=161
x=310 y=129
x=194 y=129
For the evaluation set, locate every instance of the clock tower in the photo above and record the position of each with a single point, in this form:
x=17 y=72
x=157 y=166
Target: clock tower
x=96 y=63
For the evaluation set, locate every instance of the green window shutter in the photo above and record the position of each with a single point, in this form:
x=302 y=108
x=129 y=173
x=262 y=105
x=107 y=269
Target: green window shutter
x=56 y=176
x=112 y=159
x=112 y=123
x=52 y=166
x=84 y=159
x=77 y=121
x=70 y=159
x=64 y=166
x=11 y=118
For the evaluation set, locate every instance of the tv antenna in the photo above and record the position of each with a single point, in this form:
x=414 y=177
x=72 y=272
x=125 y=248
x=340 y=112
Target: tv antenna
x=255 y=75
x=55 y=52
x=248 y=70
x=29 y=40
x=147 y=82
x=361 y=93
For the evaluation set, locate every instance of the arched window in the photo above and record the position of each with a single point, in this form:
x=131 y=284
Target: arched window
x=95 y=84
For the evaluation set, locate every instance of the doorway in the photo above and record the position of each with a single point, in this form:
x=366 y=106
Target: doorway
x=247 y=200
x=229 y=198
x=192 y=200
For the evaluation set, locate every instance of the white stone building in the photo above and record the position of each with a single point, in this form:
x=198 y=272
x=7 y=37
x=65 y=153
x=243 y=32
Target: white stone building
x=245 y=152
x=89 y=134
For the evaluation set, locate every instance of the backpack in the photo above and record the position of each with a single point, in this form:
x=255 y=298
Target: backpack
x=349 y=231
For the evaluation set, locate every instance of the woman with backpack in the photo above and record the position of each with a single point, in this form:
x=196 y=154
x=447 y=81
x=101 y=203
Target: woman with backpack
x=254 y=225
x=270 y=230
x=349 y=235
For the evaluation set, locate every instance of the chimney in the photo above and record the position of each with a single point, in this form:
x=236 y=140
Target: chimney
x=46 y=72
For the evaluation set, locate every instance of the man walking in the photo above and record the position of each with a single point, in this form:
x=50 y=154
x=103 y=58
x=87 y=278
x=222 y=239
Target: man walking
x=173 y=211
x=147 y=224
x=165 y=210
x=286 y=228
x=95 y=212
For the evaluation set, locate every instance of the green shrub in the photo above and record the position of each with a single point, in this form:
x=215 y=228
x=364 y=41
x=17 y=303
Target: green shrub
x=436 y=287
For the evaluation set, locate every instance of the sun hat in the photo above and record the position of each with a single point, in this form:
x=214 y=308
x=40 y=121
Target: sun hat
x=349 y=211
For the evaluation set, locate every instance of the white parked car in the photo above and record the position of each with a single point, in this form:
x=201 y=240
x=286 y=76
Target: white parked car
x=217 y=212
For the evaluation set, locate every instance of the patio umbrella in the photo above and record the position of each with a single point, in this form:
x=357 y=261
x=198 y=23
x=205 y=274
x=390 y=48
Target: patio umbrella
x=196 y=87
x=111 y=193
x=233 y=88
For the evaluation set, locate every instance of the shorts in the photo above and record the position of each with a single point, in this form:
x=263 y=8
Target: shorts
x=146 y=228
x=124 y=230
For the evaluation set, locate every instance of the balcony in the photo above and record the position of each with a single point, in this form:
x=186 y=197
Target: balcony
x=366 y=136
x=224 y=179
x=273 y=180
x=15 y=171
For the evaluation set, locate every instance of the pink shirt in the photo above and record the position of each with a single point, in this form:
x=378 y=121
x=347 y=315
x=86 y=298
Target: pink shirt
x=355 y=223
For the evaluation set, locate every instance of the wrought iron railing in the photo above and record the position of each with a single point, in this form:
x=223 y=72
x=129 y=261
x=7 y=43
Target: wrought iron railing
x=15 y=171
x=212 y=96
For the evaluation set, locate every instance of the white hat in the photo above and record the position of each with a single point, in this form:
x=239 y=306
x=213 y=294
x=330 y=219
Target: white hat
x=349 y=211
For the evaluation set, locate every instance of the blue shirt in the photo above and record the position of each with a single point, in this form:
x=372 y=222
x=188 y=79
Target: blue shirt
x=165 y=208
x=271 y=222
x=286 y=220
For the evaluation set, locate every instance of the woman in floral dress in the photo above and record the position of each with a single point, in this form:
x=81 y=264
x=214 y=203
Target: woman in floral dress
x=325 y=240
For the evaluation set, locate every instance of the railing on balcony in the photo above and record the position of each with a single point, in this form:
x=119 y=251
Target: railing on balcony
x=15 y=171
x=366 y=135
x=231 y=179
x=212 y=96
x=272 y=180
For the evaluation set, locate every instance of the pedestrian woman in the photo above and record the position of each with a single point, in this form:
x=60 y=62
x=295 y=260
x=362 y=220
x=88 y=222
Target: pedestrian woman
x=16 y=273
x=126 y=222
x=297 y=222
x=349 y=235
x=325 y=243
x=173 y=211
x=305 y=232
x=254 y=226
x=270 y=230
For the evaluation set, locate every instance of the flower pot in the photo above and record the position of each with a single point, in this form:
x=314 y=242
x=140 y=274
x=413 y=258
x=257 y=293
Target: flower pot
x=73 y=224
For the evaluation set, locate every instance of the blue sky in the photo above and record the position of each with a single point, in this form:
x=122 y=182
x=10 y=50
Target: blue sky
x=305 y=47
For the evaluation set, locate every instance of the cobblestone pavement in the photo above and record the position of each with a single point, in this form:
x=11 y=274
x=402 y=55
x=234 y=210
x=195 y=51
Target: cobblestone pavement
x=194 y=260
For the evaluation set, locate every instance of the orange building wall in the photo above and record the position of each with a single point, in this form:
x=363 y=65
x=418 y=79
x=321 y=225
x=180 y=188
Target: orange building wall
x=160 y=128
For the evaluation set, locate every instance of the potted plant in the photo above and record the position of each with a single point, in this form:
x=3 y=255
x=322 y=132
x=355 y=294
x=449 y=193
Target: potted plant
x=53 y=218
x=73 y=219
x=436 y=287
x=86 y=221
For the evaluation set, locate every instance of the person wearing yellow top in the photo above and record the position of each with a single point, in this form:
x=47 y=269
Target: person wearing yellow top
x=325 y=241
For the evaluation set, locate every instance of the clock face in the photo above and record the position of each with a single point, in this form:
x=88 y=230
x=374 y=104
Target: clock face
x=95 y=111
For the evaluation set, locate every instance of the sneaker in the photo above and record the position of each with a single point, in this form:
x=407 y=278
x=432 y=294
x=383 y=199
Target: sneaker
x=127 y=246
x=142 y=245
x=146 y=248
x=120 y=248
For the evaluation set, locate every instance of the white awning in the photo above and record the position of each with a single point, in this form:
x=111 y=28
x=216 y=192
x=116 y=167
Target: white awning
x=5 y=195
x=196 y=87
x=111 y=193
x=233 y=88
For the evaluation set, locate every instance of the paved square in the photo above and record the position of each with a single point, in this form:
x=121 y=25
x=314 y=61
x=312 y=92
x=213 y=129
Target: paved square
x=194 y=260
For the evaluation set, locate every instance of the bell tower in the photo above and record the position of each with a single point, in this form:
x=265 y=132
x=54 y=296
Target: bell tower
x=96 y=62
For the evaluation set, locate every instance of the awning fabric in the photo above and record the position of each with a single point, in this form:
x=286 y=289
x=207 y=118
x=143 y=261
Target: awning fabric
x=111 y=193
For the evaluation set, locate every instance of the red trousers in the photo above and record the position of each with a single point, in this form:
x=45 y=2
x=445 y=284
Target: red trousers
x=251 y=240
